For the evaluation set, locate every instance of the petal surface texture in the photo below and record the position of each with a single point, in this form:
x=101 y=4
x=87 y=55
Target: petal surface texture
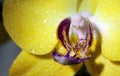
x=30 y=65
x=87 y=6
x=103 y=67
x=107 y=20
x=100 y=65
x=32 y=24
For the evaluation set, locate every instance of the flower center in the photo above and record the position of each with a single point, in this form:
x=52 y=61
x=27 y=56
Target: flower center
x=79 y=50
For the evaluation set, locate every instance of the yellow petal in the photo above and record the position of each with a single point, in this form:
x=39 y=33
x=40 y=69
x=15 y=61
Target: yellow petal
x=99 y=65
x=103 y=67
x=30 y=65
x=60 y=48
x=107 y=20
x=87 y=6
x=108 y=10
x=32 y=24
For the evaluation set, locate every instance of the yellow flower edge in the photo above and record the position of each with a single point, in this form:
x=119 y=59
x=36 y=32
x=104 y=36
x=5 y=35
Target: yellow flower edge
x=101 y=66
x=27 y=64
x=33 y=24
x=107 y=19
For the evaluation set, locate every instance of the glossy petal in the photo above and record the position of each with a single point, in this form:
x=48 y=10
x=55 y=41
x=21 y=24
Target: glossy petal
x=107 y=20
x=99 y=65
x=103 y=67
x=30 y=65
x=32 y=24
x=87 y=6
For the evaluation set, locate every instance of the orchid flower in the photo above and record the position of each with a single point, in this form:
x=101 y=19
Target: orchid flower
x=57 y=37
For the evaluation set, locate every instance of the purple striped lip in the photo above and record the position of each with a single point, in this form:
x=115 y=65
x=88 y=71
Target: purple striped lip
x=80 y=51
x=67 y=60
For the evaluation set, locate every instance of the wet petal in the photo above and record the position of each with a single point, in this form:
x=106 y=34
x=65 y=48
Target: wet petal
x=107 y=20
x=30 y=65
x=99 y=65
x=103 y=67
x=32 y=24
x=108 y=10
x=88 y=6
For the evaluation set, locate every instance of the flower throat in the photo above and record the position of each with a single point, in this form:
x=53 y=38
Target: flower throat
x=78 y=50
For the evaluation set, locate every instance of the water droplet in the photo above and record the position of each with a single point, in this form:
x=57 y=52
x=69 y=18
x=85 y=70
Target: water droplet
x=42 y=39
x=45 y=33
x=33 y=51
x=41 y=46
x=54 y=11
x=49 y=46
x=44 y=21
x=31 y=45
x=39 y=28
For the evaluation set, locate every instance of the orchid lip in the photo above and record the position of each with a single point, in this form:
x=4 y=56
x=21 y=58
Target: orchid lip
x=67 y=60
x=76 y=52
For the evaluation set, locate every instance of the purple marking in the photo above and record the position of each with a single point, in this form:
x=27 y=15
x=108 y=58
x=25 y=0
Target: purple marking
x=67 y=60
x=91 y=35
x=64 y=26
